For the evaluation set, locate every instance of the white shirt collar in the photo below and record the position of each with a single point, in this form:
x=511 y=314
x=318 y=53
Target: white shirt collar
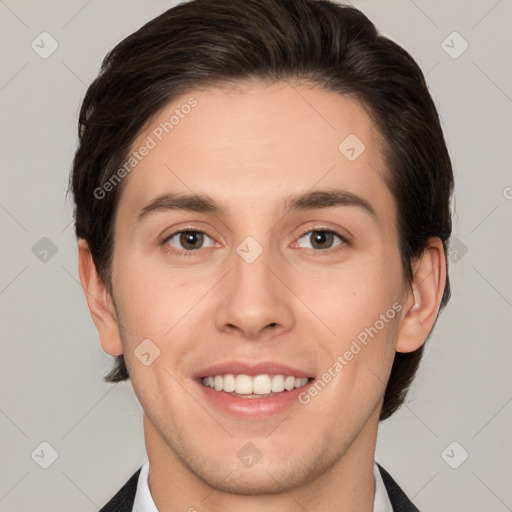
x=381 y=501
x=144 y=501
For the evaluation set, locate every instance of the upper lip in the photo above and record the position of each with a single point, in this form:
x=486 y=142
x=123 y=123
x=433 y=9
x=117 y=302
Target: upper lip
x=250 y=368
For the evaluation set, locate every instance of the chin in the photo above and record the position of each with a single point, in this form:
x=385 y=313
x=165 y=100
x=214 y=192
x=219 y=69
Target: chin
x=271 y=474
x=254 y=481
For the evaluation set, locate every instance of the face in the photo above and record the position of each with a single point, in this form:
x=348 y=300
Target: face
x=270 y=306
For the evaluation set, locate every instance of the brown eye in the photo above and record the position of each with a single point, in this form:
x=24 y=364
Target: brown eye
x=191 y=240
x=320 y=239
x=187 y=240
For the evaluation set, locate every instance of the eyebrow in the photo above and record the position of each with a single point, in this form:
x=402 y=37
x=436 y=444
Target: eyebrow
x=204 y=203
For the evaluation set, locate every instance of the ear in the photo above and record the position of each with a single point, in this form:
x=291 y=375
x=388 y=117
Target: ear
x=423 y=297
x=99 y=301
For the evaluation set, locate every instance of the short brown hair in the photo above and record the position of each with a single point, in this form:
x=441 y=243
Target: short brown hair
x=211 y=42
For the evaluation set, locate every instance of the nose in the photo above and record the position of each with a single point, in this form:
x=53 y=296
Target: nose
x=254 y=301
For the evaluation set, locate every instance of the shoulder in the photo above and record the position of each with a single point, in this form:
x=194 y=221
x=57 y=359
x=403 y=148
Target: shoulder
x=123 y=500
x=397 y=497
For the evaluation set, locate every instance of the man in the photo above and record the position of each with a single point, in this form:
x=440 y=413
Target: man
x=262 y=210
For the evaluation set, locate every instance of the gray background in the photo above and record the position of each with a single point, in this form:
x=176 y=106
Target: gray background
x=52 y=363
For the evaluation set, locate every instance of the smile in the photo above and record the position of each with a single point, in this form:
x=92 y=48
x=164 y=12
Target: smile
x=252 y=390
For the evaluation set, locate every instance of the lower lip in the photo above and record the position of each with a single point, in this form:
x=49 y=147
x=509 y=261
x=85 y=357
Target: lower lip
x=253 y=408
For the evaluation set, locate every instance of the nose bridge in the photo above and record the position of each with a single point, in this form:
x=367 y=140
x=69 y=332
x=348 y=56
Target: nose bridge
x=252 y=277
x=254 y=252
x=253 y=298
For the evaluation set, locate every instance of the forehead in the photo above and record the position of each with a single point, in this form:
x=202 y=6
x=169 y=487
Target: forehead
x=259 y=142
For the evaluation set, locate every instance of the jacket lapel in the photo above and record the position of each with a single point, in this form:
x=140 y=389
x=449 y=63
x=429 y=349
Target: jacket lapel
x=397 y=497
x=123 y=500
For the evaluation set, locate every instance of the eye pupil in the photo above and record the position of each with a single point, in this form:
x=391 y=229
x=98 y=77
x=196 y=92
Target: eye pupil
x=320 y=237
x=191 y=238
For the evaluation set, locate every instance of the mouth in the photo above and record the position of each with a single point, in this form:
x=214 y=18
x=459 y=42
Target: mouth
x=249 y=390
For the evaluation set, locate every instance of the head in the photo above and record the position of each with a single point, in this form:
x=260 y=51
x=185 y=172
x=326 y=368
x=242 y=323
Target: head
x=257 y=104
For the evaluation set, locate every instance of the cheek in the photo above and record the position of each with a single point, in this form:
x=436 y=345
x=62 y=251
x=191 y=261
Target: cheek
x=158 y=306
x=155 y=298
x=360 y=306
x=362 y=313
x=166 y=307
x=350 y=299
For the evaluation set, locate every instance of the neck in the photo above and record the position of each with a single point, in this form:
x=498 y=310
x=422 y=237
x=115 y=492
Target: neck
x=348 y=485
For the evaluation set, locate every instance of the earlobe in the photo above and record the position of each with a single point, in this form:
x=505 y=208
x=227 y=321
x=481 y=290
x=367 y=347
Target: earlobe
x=99 y=301
x=423 y=297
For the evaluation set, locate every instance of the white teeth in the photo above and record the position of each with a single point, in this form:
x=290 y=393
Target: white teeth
x=229 y=383
x=218 y=380
x=243 y=385
x=258 y=385
x=261 y=385
x=289 y=383
x=277 y=383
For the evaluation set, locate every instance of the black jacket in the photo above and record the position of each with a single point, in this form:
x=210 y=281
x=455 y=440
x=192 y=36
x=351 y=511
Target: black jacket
x=123 y=500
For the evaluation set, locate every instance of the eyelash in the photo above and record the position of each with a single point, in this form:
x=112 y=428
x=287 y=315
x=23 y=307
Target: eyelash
x=316 y=252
